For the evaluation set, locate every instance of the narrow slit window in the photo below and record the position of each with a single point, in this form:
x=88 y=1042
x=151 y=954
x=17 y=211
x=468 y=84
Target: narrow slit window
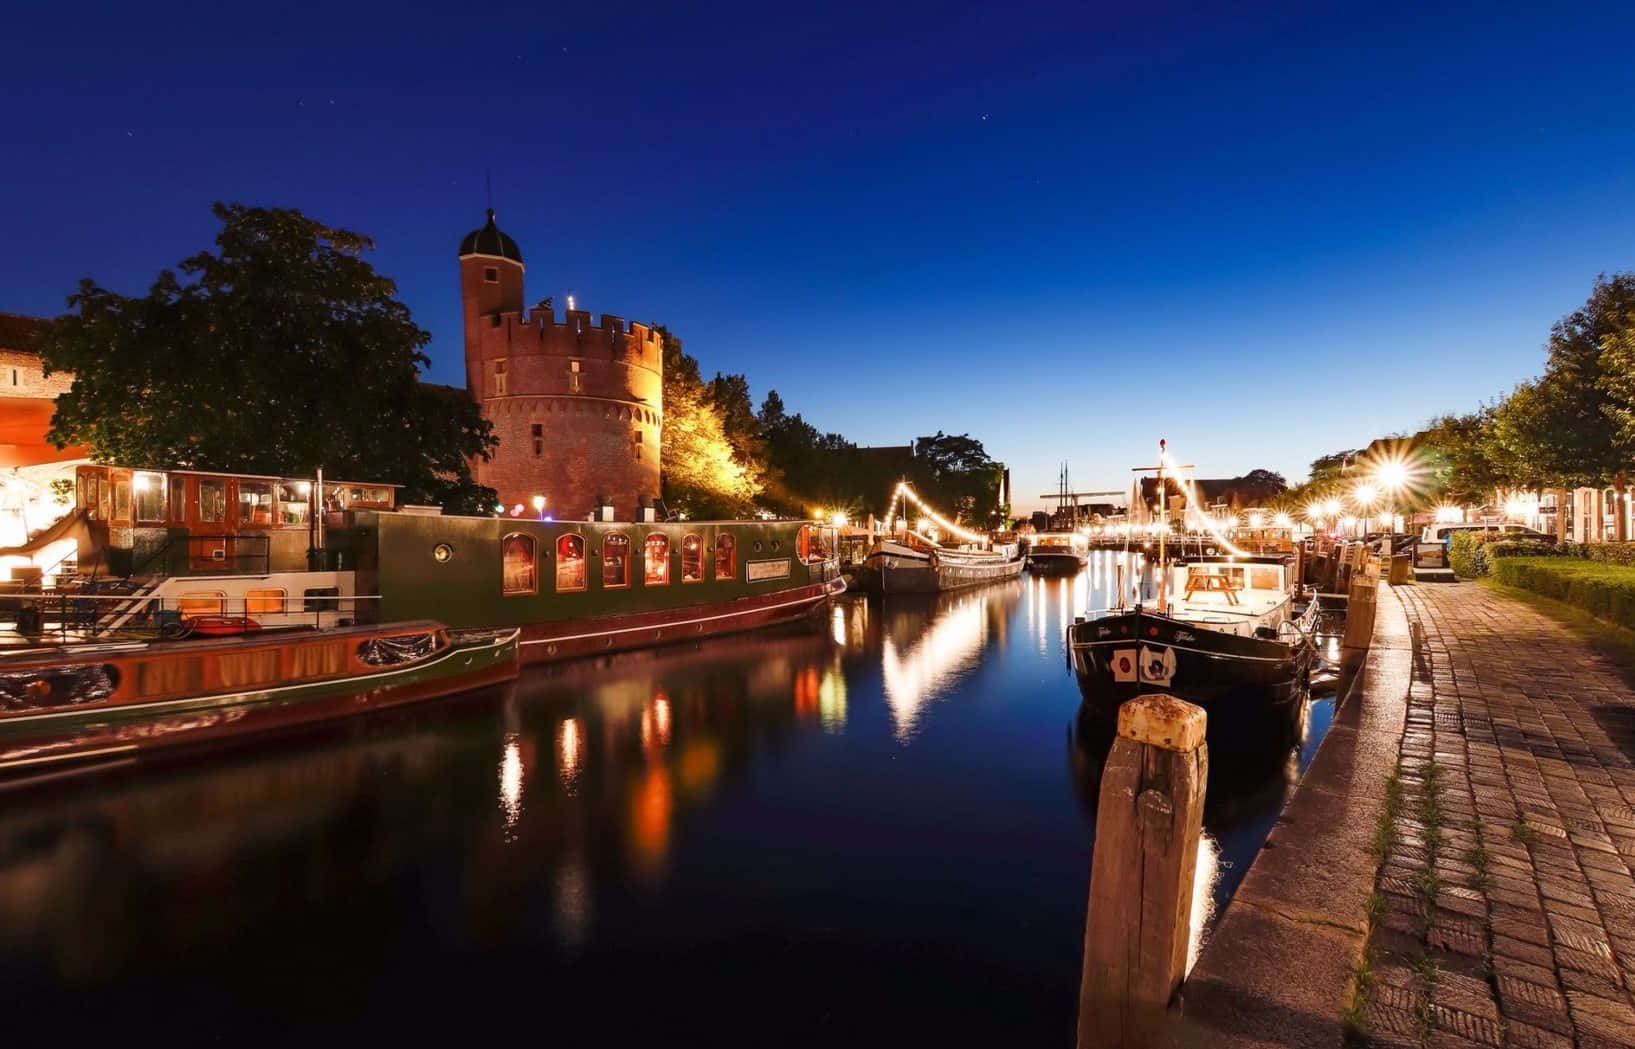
x=499 y=378
x=616 y=562
x=726 y=556
x=692 y=559
x=538 y=431
x=657 y=560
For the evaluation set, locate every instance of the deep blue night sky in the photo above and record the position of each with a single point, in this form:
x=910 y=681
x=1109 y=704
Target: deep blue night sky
x=1264 y=234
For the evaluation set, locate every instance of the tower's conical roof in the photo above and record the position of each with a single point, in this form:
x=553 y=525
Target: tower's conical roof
x=490 y=241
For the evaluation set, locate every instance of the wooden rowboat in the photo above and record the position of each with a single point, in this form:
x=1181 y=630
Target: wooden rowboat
x=101 y=702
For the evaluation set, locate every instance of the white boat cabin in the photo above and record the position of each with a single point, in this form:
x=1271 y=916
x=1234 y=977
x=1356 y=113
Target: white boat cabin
x=1234 y=596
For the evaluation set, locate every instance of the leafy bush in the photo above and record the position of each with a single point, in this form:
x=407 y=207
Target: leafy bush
x=1610 y=553
x=1606 y=591
x=1520 y=548
x=1462 y=549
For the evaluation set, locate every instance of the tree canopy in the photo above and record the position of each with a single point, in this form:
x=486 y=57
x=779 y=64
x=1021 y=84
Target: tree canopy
x=280 y=352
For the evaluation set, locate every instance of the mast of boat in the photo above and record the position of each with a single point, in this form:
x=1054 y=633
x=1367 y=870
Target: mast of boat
x=1163 y=515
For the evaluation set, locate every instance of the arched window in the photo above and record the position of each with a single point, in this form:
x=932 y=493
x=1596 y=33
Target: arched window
x=692 y=559
x=570 y=562
x=520 y=569
x=615 y=562
x=812 y=543
x=658 y=560
x=726 y=556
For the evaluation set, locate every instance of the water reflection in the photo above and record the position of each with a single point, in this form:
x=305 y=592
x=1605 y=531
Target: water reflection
x=603 y=826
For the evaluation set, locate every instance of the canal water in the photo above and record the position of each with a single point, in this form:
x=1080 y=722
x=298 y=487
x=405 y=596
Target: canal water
x=874 y=828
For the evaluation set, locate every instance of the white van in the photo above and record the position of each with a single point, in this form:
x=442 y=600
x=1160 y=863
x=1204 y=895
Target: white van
x=1439 y=534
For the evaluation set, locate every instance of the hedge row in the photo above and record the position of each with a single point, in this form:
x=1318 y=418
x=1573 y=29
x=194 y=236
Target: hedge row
x=1471 y=554
x=1610 y=553
x=1605 y=591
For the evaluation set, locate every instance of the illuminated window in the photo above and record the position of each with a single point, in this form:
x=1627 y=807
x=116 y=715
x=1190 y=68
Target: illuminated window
x=122 y=500
x=539 y=439
x=692 y=559
x=499 y=378
x=726 y=556
x=255 y=503
x=616 y=562
x=491 y=274
x=573 y=376
x=518 y=565
x=294 y=502
x=658 y=560
x=812 y=543
x=263 y=601
x=212 y=501
x=202 y=603
x=150 y=498
x=570 y=562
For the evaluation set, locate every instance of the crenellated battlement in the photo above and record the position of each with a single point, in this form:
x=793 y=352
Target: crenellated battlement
x=539 y=331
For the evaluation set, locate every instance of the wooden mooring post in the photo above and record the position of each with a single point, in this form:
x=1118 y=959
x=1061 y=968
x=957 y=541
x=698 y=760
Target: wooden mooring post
x=1359 y=613
x=1148 y=821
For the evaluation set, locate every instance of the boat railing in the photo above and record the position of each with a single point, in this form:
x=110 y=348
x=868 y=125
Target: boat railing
x=91 y=614
x=244 y=553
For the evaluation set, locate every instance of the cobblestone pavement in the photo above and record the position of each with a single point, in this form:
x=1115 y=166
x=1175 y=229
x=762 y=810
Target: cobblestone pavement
x=1508 y=914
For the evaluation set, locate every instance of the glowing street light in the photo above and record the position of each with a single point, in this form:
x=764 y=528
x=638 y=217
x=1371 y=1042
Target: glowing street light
x=1364 y=495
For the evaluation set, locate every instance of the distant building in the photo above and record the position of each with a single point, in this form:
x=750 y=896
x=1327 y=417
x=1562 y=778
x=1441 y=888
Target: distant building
x=1228 y=494
x=578 y=407
x=28 y=396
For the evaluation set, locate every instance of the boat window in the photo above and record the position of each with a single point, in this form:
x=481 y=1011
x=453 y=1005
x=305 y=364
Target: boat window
x=178 y=500
x=202 y=603
x=657 y=559
x=1265 y=577
x=812 y=543
x=150 y=498
x=255 y=503
x=366 y=497
x=726 y=556
x=242 y=669
x=294 y=502
x=570 y=562
x=519 y=565
x=692 y=559
x=616 y=562
x=93 y=494
x=263 y=601
x=122 y=500
x=321 y=599
x=212 y=501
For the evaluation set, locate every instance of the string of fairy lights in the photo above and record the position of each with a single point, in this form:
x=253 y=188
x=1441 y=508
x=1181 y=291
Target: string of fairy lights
x=905 y=495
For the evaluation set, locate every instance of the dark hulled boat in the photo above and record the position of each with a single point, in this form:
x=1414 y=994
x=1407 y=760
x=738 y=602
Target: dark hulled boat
x=1058 y=553
x=1232 y=643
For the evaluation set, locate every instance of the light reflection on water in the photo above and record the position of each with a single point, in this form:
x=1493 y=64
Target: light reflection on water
x=878 y=804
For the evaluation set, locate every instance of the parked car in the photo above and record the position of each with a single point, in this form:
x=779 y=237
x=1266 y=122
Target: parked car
x=1443 y=533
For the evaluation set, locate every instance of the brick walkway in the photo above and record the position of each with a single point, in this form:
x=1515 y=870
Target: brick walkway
x=1509 y=903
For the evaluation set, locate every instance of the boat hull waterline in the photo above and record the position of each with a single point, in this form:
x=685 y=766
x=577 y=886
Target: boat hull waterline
x=1248 y=686
x=95 y=732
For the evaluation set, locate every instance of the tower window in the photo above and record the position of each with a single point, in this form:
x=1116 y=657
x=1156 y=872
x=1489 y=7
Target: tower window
x=573 y=376
x=491 y=274
x=636 y=445
x=499 y=378
x=539 y=439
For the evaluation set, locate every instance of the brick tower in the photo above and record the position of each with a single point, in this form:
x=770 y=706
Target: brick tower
x=577 y=407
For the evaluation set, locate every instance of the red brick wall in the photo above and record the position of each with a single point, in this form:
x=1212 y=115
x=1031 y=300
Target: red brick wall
x=21 y=375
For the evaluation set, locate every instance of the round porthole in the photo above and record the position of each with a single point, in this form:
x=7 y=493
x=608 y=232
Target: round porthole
x=757 y=546
x=775 y=545
x=442 y=553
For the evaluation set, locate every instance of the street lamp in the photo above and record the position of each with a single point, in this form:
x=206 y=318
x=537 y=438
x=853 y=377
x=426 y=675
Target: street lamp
x=1364 y=496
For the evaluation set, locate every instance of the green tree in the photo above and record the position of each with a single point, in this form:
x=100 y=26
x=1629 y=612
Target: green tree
x=1459 y=454
x=281 y=352
x=1563 y=428
x=702 y=474
x=954 y=473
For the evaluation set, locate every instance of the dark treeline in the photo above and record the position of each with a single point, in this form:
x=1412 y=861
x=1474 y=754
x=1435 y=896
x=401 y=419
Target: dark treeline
x=724 y=458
